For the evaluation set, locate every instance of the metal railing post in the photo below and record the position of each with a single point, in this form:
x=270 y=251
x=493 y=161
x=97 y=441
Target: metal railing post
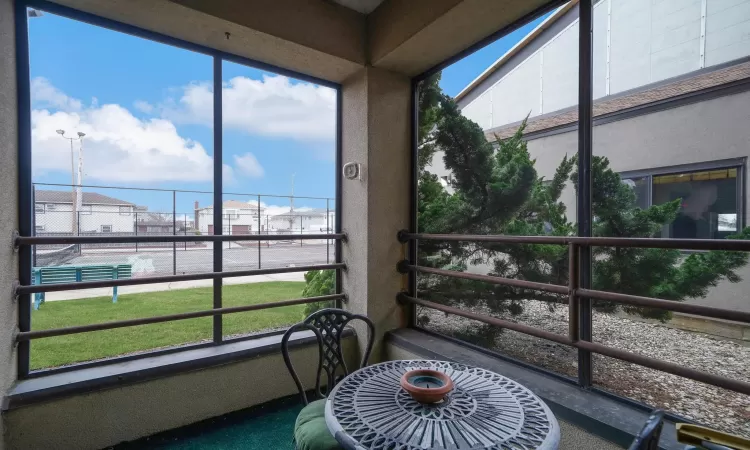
x=259 y=225
x=174 y=232
x=25 y=187
x=136 y=231
x=218 y=249
x=583 y=204
x=573 y=300
x=328 y=230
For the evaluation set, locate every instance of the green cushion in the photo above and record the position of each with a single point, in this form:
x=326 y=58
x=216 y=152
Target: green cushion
x=310 y=430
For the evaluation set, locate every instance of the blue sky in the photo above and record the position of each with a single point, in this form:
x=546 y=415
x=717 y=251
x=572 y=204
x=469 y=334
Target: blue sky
x=146 y=109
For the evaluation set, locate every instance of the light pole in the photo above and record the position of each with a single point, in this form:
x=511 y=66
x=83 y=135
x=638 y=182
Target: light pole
x=75 y=192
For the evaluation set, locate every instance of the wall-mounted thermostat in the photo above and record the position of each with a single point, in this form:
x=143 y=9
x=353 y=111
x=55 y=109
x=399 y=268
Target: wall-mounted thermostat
x=352 y=171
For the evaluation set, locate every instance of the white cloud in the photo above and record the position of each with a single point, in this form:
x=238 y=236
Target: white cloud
x=248 y=164
x=143 y=106
x=45 y=95
x=118 y=146
x=273 y=106
x=227 y=174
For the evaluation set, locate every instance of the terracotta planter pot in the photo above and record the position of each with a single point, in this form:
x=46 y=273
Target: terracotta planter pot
x=423 y=392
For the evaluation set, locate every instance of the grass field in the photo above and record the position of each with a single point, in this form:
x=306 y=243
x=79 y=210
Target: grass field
x=62 y=350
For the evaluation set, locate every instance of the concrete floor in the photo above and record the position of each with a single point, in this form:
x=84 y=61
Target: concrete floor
x=574 y=438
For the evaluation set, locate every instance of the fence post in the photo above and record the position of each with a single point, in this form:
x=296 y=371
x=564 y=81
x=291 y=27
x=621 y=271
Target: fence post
x=229 y=227
x=78 y=224
x=259 y=232
x=136 y=231
x=185 y=231
x=573 y=304
x=174 y=232
x=328 y=231
x=300 y=231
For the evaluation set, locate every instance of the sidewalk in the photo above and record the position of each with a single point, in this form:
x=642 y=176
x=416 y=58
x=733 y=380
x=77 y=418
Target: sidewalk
x=156 y=287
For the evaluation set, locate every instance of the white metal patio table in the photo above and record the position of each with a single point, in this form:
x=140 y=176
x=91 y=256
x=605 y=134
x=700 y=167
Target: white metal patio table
x=369 y=410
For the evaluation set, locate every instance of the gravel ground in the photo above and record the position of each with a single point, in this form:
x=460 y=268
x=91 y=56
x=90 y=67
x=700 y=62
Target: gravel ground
x=715 y=407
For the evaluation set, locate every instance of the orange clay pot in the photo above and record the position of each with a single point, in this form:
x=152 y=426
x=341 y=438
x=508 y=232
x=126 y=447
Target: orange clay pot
x=422 y=391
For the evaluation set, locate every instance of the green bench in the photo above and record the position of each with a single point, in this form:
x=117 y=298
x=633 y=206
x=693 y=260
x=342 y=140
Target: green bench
x=75 y=274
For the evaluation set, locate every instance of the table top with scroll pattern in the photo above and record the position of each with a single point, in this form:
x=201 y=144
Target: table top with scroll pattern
x=370 y=410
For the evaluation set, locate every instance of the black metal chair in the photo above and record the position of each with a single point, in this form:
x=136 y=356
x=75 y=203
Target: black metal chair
x=310 y=430
x=648 y=437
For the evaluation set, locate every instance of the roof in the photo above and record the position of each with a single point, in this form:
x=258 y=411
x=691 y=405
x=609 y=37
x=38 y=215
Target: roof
x=304 y=212
x=90 y=198
x=632 y=99
x=546 y=23
x=236 y=204
x=158 y=223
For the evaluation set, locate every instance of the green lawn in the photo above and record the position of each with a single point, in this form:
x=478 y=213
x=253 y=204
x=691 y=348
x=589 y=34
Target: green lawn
x=62 y=350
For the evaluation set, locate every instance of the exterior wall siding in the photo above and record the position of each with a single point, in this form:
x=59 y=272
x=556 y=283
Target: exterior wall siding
x=60 y=219
x=663 y=139
x=649 y=41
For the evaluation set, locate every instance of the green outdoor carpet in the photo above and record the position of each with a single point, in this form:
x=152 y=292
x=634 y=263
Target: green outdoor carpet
x=266 y=427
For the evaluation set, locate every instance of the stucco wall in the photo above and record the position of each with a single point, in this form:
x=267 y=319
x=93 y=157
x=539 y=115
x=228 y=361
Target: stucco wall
x=8 y=199
x=100 y=419
x=707 y=131
x=376 y=135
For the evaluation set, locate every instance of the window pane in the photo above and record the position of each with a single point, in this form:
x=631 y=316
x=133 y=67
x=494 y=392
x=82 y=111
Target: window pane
x=485 y=168
x=639 y=185
x=279 y=137
x=663 y=110
x=708 y=203
x=115 y=149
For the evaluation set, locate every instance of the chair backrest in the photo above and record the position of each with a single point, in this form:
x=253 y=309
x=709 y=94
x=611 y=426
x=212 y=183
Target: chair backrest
x=648 y=437
x=327 y=325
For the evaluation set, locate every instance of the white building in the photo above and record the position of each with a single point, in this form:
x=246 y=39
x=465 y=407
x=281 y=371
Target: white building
x=99 y=213
x=238 y=217
x=671 y=89
x=314 y=220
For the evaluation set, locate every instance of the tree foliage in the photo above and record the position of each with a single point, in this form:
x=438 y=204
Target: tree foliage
x=496 y=190
x=319 y=283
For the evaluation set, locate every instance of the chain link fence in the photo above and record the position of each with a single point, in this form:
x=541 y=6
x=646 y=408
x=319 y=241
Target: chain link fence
x=111 y=211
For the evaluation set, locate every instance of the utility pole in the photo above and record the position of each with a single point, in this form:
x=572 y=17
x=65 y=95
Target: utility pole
x=291 y=207
x=76 y=202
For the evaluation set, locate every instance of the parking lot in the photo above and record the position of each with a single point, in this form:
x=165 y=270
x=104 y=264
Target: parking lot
x=155 y=262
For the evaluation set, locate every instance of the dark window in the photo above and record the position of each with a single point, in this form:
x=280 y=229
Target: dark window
x=640 y=187
x=710 y=199
x=708 y=203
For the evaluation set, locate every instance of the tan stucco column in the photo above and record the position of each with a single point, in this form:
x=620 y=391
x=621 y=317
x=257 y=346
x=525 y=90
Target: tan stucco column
x=8 y=199
x=376 y=133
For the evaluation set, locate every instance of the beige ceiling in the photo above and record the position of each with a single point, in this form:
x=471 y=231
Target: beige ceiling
x=325 y=39
x=361 y=6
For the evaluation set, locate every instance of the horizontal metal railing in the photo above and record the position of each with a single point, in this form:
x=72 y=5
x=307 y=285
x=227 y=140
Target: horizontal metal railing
x=649 y=302
x=684 y=244
x=56 y=240
x=33 y=289
x=29 y=335
x=575 y=293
